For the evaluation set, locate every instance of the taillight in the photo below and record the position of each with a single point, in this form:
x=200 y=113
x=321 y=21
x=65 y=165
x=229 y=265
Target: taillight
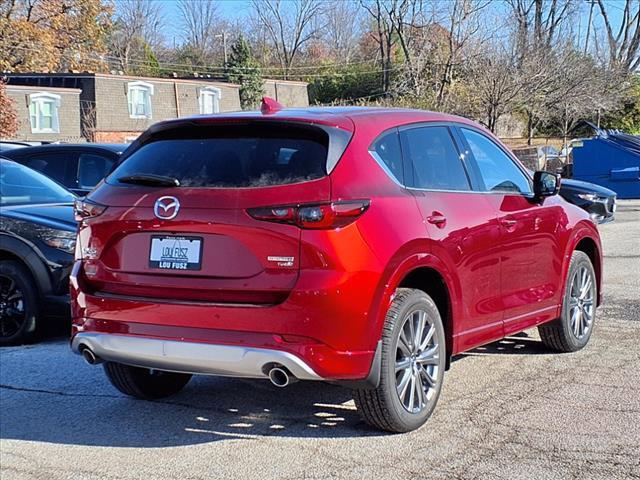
x=83 y=209
x=316 y=216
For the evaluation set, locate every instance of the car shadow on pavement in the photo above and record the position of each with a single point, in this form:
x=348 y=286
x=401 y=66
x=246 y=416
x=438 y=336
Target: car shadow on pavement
x=519 y=344
x=57 y=398
x=50 y=395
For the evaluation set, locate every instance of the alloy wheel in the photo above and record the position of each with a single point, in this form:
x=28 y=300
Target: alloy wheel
x=581 y=302
x=12 y=307
x=417 y=361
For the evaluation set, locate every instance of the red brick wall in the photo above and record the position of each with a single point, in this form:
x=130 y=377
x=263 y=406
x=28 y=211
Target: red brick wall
x=115 y=137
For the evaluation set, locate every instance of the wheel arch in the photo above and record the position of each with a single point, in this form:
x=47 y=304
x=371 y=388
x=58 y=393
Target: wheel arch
x=12 y=248
x=433 y=283
x=424 y=272
x=591 y=248
x=586 y=239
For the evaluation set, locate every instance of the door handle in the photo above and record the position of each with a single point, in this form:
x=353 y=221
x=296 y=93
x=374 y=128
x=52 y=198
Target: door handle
x=437 y=219
x=508 y=222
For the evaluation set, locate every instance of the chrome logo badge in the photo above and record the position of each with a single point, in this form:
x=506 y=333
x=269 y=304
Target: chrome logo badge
x=166 y=208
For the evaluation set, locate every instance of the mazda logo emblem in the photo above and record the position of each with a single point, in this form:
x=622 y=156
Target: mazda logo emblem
x=166 y=208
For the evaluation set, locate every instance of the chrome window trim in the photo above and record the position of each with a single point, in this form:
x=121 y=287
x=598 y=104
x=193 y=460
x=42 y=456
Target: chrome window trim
x=384 y=167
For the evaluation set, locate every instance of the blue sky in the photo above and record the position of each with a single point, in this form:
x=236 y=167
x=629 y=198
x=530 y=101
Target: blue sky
x=236 y=9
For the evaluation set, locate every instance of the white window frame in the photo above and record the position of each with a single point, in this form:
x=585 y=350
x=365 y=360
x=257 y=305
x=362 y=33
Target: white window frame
x=133 y=87
x=213 y=92
x=37 y=100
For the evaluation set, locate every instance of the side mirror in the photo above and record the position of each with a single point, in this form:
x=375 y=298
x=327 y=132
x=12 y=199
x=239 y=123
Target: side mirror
x=545 y=184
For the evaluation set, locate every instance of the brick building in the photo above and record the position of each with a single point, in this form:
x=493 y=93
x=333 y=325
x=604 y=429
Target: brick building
x=47 y=114
x=117 y=108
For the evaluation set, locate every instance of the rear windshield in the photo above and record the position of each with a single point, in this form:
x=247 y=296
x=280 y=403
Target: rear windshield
x=231 y=156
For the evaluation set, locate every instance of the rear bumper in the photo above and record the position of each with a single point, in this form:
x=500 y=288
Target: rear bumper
x=326 y=323
x=188 y=357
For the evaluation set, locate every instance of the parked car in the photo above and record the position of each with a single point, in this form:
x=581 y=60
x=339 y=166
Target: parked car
x=37 y=240
x=6 y=145
x=599 y=202
x=78 y=167
x=363 y=246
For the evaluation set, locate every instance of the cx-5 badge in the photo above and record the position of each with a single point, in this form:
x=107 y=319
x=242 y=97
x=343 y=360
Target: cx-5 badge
x=166 y=208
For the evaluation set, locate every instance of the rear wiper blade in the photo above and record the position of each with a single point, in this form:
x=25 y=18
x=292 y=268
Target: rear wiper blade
x=150 y=180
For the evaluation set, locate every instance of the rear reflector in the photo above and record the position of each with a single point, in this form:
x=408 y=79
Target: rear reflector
x=321 y=216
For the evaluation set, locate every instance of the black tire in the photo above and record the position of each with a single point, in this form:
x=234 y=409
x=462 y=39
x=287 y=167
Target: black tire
x=19 y=307
x=144 y=383
x=382 y=407
x=560 y=335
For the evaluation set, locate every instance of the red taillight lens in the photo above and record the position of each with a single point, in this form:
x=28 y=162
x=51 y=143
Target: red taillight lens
x=83 y=209
x=318 y=216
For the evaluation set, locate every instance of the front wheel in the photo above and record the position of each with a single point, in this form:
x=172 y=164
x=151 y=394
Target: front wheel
x=412 y=368
x=18 y=304
x=143 y=382
x=572 y=330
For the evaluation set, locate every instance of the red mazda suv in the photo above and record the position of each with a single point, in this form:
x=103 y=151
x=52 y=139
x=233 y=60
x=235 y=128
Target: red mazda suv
x=358 y=246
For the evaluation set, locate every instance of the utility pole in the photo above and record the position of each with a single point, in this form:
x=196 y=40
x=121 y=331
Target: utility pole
x=586 y=40
x=223 y=35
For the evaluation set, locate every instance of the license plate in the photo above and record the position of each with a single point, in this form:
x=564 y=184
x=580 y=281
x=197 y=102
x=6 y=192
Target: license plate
x=175 y=253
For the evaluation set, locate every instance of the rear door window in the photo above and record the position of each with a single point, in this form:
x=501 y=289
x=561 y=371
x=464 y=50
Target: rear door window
x=232 y=156
x=92 y=168
x=433 y=160
x=54 y=165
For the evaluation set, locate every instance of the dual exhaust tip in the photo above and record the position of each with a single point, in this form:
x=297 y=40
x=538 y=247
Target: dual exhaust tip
x=90 y=357
x=279 y=375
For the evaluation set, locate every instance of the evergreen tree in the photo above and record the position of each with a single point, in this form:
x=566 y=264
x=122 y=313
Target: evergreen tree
x=243 y=69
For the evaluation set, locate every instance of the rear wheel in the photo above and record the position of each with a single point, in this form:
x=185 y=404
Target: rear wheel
x=18 y=304
x=572 y=330
x=143 y=382
x=412 y=369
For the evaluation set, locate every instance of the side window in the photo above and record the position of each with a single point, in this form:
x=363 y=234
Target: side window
x=43 y=112
x=433 y=159
x=387 y=151
x=139 y=99
x=53 y=165
x=91 y=169
x=497 y=170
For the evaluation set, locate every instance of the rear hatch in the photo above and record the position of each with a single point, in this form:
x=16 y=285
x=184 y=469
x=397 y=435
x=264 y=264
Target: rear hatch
x=177 y=226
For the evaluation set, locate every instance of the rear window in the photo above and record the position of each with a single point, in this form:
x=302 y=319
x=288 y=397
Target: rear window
x=231 y=156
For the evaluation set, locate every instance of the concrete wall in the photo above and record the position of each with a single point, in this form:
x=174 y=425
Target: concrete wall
x=68 y=113
x=289 y=94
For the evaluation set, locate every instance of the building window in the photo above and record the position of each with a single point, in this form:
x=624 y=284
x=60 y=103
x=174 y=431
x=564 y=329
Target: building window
x=43 y=112
x=139 y=99
x=210 y=100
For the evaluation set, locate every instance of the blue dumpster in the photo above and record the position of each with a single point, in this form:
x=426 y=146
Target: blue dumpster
x=610 y=160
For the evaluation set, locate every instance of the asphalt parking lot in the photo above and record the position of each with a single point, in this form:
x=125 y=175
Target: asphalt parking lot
x=508 y=410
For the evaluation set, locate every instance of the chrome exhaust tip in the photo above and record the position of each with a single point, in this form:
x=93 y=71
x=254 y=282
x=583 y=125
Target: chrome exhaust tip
x=90 y=357
x=281 y=377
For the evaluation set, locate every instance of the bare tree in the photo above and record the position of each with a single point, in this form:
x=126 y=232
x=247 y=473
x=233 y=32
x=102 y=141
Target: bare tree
x=496 y=88
x=383 y=35
x=463 y=24
x=539 y=22
x=342 y=20
x=288 y=28
x=139 y=23
x=624 y=46
x=201 y=25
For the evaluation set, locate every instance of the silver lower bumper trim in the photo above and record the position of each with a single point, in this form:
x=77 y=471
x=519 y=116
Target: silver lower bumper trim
x=189 y=357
